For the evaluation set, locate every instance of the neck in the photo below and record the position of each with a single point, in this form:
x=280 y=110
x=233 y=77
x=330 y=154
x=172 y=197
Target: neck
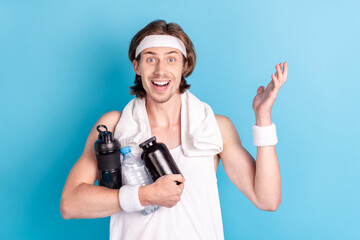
x=164 y=114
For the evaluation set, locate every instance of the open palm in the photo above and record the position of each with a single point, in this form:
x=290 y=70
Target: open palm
x=265 y=97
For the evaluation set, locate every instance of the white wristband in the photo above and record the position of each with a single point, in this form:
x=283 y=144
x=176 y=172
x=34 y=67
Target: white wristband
x=129 y=198
x=264 y=136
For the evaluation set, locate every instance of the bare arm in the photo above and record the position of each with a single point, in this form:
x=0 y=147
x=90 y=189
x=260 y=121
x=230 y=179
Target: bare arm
x=80 y=197
x=259 y=181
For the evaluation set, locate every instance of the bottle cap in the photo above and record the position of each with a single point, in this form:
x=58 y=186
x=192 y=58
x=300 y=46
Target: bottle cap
x=148 y=143
x=125 y=150
x=106 y=136
x=106 y=142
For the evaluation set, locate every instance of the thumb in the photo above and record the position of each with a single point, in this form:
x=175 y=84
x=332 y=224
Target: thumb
x=260 y=90
x=176 y=178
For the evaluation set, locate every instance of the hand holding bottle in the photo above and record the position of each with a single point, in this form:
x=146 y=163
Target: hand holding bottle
x=163 y=192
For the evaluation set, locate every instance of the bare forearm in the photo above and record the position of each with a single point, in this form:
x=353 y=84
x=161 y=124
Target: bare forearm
x=267 y=178
x=90 y=201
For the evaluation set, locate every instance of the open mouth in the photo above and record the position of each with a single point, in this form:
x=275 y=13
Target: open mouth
x=160 y=83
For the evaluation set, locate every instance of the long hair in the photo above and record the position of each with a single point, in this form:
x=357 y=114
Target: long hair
x=160 y=27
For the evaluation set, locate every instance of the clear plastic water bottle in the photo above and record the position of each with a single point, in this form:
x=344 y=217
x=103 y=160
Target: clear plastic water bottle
x=135 y=173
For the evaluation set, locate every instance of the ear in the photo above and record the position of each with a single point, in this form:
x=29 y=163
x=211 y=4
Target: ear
x=136 y=67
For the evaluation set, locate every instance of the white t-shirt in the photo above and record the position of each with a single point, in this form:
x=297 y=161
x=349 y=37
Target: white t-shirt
x=196 y=216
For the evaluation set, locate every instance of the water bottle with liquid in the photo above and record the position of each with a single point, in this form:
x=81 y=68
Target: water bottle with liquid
x=135 y=173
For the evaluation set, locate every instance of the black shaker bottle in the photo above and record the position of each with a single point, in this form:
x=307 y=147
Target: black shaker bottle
x=107 y=150
x=158 y=159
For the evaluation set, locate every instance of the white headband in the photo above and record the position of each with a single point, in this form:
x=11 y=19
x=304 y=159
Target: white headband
x=161 y=41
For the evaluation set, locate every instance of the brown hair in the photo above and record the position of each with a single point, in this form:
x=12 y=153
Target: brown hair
x=160 y=27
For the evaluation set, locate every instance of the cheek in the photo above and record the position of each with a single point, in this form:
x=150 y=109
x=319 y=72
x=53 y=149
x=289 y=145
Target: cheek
x=145 y=72
x=177 y=70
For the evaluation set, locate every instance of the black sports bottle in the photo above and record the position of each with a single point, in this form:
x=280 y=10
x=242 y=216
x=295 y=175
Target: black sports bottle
x=158 y=159
x=107 y=150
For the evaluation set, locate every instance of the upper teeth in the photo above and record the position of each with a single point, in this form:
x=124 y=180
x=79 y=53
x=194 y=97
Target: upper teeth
x=161 y=83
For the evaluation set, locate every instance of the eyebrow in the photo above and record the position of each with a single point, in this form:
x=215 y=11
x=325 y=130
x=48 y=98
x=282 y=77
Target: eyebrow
x=148 y=52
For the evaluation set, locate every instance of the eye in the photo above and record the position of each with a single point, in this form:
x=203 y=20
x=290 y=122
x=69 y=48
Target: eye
x=151 y=59
x=171 y=59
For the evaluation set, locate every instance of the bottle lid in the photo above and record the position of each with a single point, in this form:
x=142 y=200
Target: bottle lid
x=148 y=143
x=105 y=136
x=106 y=142
x=125 y=150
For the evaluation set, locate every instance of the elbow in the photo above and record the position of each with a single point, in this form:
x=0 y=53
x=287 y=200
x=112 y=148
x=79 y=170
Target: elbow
x=65 y=210
x=271 y=206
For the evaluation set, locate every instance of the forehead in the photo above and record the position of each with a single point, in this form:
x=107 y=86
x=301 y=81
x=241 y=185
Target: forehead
x=161 y=51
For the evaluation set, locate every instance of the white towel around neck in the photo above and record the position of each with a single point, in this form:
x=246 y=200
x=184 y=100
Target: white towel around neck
x=200 y=133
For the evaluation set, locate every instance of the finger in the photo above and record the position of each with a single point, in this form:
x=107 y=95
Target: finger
x=282 y=80
x=285 y=71
x=278 y=69
x=270 y=86
x=275 y=81
x=176 y=178
x=260 y=90
x=281 y=67
x=279 y=73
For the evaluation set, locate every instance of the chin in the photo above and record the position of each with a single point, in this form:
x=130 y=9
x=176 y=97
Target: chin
x=161 y=99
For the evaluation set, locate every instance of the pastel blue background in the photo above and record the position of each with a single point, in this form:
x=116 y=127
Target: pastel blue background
x=64 y=63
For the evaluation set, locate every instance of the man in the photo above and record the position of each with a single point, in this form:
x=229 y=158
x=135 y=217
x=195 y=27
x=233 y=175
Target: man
x=162 y=56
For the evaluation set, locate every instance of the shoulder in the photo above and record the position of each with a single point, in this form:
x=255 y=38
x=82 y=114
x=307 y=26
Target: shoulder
x=111 y=115
x=110 y=119
x=227 y=129
x=223 y=122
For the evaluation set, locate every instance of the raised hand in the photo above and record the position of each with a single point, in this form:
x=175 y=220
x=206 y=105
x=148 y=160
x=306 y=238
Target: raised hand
x=265 y=98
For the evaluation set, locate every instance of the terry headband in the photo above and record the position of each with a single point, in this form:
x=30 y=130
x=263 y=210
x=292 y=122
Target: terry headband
x=161 y=41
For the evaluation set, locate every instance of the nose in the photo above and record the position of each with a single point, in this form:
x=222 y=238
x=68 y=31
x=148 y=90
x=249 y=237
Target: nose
x=160 y=68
